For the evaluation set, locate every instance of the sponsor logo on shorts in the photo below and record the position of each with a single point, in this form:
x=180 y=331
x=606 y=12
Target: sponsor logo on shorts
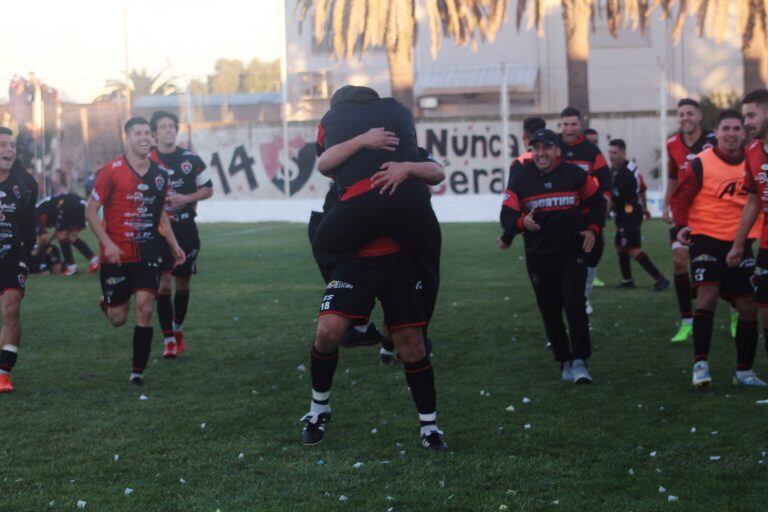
x=419 y=286
x=704 y=258
x=113 y=281
x=748 y=262
x=337 y=285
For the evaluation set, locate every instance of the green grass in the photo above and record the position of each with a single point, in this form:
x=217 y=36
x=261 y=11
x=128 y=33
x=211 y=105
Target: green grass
x=250 y=326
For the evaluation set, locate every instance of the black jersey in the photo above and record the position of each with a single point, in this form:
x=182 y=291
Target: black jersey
x=557 y=199
x=46 y=213
x=187 y=173
x=626 y=196
x=18 y=195
x=588 y=156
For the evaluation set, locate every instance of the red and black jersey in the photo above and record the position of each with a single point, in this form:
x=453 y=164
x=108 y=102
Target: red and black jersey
x=626 y=196
x=679 y=153
x=557 y=199
x=756 y=181
x=46 y=213
x=188 y=174
x=17 y=216
x=588 y=156
x=133 y=205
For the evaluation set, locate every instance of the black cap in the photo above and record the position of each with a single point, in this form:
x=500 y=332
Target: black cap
x=546 y=136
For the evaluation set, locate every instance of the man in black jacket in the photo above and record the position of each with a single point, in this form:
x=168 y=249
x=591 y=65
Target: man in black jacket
x=545 y=203
x=18 y=195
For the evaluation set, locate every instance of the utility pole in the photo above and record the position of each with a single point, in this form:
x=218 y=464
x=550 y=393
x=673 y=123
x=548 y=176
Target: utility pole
x=127 y=91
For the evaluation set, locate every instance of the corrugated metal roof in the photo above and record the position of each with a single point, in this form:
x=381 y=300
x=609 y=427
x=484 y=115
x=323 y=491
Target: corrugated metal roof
x=475 y=79
x=208 y=100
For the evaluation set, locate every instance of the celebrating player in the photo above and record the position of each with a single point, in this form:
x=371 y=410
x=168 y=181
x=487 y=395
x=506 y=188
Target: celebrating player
x=544 y=203
x=628 y=212
x=706 y=208
x=682 y=147
x=190 y=183
x=70 y=221
x=18 y=195
x=132 y=189
x=577 y=150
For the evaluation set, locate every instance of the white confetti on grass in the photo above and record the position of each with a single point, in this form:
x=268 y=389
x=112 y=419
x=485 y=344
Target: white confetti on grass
x=503 y=507
x=143 y=397
x=631 y=472
x=343 y=498
x=128 y=491
x=374 y=431
x=202 y=426
x=511 y=408
x=762 y=402
x=526 y=400
x=358 y=465
x=693 y=430
x=182 y=481
x=671 y=498
x=81 y=504
x=115 y=458
x=527 y=426
x=301 y=368
x=241 y=455
x=51 y=503
x=662 y=489
x=714 y=458
x=652 y=454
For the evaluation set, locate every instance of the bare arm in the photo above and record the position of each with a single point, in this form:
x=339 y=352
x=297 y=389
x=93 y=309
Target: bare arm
x=111 y=250
x=392 y=174
x=375 y=138
x=201 y=194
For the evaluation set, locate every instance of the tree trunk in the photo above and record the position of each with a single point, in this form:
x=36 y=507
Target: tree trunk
x=576 y=17
x=400 y=56
x=754 y=53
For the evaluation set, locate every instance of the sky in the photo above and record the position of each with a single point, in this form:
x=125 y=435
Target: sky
x=77 y=45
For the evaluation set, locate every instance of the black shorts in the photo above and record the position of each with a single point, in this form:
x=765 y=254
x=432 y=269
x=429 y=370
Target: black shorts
x=13 y=274
x=71 y=215
x=708 y=266
x=356 y=283
x=760 y=279
x=119 y=282
x=593 y=257
x=189 y=240
x=628 y=236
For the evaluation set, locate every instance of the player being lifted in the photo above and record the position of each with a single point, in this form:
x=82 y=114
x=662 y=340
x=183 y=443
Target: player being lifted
x=577 y=150
x=190 y=183
x=133 y=190
x=681 y=148
x=18 y=195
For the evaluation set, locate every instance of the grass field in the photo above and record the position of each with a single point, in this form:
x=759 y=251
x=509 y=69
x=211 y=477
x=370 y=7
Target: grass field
x=609 y=446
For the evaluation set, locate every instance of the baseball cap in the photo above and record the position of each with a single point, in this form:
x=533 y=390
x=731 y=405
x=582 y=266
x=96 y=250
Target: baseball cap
x=546 y=136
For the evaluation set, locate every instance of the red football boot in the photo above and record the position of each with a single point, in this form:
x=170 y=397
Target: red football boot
x=170 y=350
x=181 y=345
x=6 y=386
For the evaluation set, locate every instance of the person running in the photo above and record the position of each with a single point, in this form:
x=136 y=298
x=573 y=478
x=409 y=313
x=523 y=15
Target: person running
x=577 y=150
x=707 y=207
x=18 y=195
x=629 y=209
x=545 y=204
x=682 y=147
x=755 y=110
x=190 y=183
x=132 y=189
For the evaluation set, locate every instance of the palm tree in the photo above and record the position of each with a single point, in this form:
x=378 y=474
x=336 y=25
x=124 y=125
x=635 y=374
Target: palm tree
x=578 y=18
x=139 y=83
x=362 y=24
x=751 y=16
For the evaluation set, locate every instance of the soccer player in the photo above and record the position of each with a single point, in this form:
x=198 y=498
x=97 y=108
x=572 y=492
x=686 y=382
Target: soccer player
x=544 y=203
x=364 y=211
x=190 y=183
x=629 y=209
x=70 y=221
x=577 y=150
x=591 y=135
x=706 y=208
x=530 y=126
x=132 y=189
x=755 y=110
x=18 y=195
x=385 y=272
x=682 y=147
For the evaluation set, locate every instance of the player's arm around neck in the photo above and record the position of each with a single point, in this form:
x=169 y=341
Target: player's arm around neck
x=375 y=138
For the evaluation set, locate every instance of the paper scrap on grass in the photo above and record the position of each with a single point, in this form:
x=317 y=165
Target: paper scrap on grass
x=653 y=454
x=762 y=402
x=343 y=498
x=301 y=368
x=115 y=457
x=662 y=489
x=526 y=400
x=503 y=507
x=128 y=491
x=527 y=426
x=631 y=472
x=358 y=465
x=81 y=504
x=671 y=498
x=241 y=455
x=511 y=408
x=182 y=480
x=714 y=457
x=143 y=397
x=374 y=431
x=693 y=430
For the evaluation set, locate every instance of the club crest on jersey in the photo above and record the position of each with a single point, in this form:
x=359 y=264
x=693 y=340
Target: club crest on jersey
x=159 y=182
x=17 y=191
x=186 y=167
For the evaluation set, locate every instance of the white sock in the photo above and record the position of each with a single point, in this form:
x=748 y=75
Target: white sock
x=177 y=327
x=11 y=348
x=168 y=339
x=320 y=408
x=362 y=328
x=134 y=375
x=431 y=426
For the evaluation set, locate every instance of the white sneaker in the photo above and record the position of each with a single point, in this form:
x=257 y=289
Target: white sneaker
x=580 y=372
x=589 y=308
x=567 y=372
x=701 y=376
x=747 y=378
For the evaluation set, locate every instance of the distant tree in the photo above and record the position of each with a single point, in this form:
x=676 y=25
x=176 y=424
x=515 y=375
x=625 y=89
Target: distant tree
x=140 y=83
x=262 y=76
x=227 y=77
